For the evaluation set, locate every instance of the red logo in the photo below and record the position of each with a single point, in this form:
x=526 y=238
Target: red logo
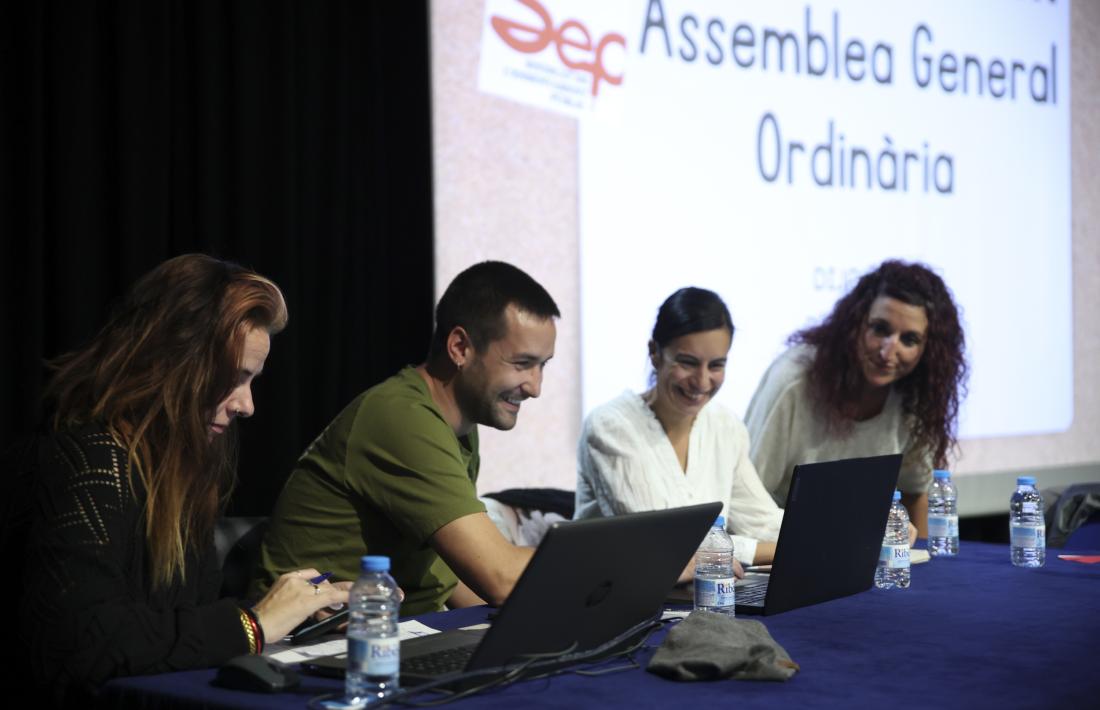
x=569 y=34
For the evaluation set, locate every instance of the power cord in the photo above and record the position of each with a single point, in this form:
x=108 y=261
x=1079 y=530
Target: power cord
x=502 y=676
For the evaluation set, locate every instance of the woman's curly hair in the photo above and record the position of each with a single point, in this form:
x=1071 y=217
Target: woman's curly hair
x=930 y=393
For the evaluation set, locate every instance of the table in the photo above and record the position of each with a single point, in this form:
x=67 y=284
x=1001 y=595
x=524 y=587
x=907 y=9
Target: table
x=971 y=632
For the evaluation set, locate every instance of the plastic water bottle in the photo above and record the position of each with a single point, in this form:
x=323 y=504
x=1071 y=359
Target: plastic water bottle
x=374 y=649
x=943 y=516
x=1027 y=527
x=893 y=560
x=714 y=571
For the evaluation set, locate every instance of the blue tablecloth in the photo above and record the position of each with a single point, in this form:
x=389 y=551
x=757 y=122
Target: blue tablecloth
x=973 y=631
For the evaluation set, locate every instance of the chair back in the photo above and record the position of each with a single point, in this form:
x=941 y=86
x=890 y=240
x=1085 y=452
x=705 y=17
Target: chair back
x=1073 y=515
x=237 y=541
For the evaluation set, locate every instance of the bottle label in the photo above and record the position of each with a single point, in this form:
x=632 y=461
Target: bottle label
x=375 y=656
x=714 y=592
x=1025 y=535
x=894 y=556
x=1029 y=507
x=942 y=525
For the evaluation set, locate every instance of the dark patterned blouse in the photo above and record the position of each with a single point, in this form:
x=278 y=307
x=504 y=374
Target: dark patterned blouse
x=91 y=613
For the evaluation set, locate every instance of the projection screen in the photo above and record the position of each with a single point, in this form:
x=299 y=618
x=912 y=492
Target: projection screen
x=773 y=152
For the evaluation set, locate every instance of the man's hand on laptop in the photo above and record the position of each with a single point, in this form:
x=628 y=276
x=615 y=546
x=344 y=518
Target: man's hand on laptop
x=689 y=571
x=463 y=596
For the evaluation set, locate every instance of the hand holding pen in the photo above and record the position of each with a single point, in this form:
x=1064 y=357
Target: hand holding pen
x=295 y=596
x=315 y=581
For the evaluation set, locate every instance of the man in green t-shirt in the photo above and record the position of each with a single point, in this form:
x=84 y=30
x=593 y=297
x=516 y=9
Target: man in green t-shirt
x=395 y=472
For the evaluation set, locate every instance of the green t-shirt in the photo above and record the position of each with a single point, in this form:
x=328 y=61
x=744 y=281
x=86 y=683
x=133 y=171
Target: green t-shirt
x=379 y=480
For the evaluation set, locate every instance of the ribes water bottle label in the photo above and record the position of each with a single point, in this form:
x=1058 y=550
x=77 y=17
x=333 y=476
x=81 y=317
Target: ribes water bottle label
x=894 y=556
x=376 y=656
x=1024 y=535
x=383 y=656
x=714 y=592
x=941 y=525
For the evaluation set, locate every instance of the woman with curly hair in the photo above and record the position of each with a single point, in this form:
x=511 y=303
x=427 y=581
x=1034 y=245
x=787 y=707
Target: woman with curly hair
x=132 y=477
x=882 y=374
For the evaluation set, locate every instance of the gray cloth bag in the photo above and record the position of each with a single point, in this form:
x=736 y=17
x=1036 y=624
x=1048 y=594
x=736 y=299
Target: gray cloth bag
x=710 y=646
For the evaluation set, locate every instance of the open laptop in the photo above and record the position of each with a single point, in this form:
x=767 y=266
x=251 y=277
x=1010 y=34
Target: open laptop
x=589 y=583
x=832 y=531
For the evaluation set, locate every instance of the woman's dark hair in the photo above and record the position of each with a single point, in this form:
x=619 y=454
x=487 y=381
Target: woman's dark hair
x=154 y=375
x=690 y=310
x=931 y=392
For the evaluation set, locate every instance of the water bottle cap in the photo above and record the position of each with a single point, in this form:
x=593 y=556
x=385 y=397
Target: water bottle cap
x=942 y=474
x=375 y=563
x=1025 y=481
x=719 y=522
x=897 y=495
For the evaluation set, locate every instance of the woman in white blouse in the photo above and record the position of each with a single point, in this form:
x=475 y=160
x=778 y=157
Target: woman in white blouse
x=671 y=445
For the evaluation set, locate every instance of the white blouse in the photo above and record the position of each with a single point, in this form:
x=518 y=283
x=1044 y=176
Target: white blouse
x=788 y=430
x=626 y=463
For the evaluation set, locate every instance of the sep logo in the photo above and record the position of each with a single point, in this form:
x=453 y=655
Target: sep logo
x=571 y=39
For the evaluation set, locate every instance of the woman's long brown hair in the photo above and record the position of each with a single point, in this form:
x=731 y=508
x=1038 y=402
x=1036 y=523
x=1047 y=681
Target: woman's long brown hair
x=154 y=376
x=930 y=393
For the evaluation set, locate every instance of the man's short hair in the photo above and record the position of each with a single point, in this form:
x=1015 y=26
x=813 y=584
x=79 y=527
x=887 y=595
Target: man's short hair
x=477 y=298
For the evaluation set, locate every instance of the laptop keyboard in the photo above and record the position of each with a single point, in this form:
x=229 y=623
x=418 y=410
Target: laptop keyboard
x=448 y=660
x=752 y=593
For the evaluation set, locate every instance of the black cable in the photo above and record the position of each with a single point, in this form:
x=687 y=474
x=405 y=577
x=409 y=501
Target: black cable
x=402 y=697
x=499 y=679
x=627 y=653
x=646 y=628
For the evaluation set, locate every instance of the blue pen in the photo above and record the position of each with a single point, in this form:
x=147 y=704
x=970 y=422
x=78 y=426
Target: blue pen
x=321 y=578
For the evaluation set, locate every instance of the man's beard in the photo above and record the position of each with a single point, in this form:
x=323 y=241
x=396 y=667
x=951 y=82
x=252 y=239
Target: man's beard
x=477 y=404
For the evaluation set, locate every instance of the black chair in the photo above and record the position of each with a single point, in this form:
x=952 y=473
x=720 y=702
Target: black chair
x=1073 y=515
x=523 y=515
x=237 y=541
x=546 y=500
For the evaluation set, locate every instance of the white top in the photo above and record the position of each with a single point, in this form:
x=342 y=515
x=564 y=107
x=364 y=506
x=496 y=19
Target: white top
x=626 y=463
x=786 y=430
x=520 y=526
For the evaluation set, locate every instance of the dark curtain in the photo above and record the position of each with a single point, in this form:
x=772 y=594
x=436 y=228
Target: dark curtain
x=292 y=137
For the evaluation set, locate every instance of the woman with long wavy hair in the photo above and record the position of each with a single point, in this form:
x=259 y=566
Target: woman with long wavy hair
x=882 y=374
x=130 y=481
